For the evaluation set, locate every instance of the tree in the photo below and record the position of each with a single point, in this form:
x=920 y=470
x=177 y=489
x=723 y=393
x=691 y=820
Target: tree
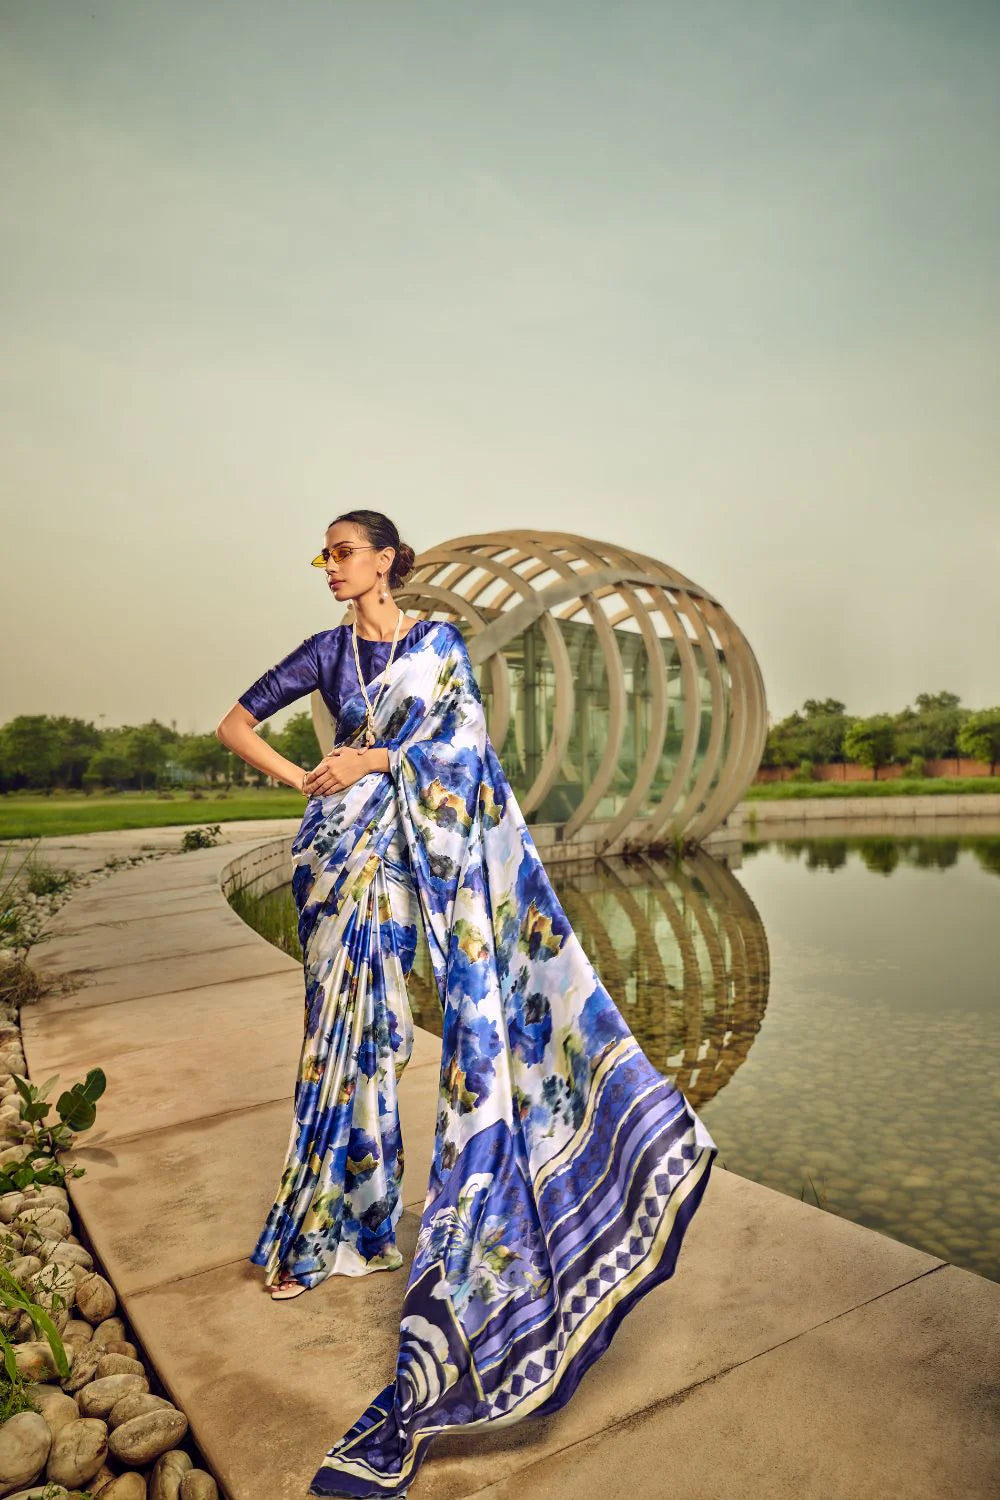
x=203 y=753
x=871 y=742
x=816 y=707
x=74 y=742
x=29 y=750
x=928 y=702
x=298 y=742
x=979 y=737
x=145 y=752
x=108 y=766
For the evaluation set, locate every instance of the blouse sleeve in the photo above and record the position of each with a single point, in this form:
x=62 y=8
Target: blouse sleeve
x=292 y=677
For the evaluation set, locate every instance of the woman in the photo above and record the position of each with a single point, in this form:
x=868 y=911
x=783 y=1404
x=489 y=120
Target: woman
x=565 y=1168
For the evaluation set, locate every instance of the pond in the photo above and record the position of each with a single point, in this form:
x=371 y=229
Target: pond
x=832 y=1010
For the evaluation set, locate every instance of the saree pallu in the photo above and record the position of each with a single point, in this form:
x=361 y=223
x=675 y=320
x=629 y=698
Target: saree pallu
x=565 y=1168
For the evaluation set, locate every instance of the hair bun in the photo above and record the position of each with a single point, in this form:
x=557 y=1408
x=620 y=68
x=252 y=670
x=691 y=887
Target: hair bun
x=403 y=562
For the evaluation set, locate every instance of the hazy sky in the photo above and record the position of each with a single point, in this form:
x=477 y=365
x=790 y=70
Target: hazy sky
x=717 y=281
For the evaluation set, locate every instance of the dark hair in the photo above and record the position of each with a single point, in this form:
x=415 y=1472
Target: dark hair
x=381 y=532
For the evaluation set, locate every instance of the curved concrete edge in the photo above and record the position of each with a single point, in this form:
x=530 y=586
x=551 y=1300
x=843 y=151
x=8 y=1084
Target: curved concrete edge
x=838 y=809
x=822 y=1357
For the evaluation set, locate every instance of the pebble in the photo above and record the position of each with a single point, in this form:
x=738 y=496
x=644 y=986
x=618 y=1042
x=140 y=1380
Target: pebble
x=97 y=1398
x=110 y=1330
x=168 y=1473
x=130 y=1486
x=137 y=1404
x=25 y=1441
x=78 y=1451
x=35 y=1360
x=198 y=1485
x=140 y=1440
x=119 y=1364
x=95 y=1298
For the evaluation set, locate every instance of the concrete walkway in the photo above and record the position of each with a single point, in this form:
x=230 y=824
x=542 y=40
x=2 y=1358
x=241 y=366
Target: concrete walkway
x=792 y=1354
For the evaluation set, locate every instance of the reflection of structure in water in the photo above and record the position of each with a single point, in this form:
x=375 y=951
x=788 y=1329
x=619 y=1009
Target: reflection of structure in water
x=624 y=703
x=683 y=953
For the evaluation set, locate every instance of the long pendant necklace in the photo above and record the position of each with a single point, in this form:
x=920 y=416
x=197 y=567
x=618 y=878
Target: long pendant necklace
x=369 y=735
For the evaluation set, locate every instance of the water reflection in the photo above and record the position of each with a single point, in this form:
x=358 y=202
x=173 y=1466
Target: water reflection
x=682 y=951
x=871 y=1090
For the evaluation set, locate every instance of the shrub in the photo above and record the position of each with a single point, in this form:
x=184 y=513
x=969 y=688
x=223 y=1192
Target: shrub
x=201 y=838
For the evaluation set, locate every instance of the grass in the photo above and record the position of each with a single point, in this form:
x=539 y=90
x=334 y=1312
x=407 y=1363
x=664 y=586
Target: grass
x=28 y=815
x=24 y=816
x=929 y=786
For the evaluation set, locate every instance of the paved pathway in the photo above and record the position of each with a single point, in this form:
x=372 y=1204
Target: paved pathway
x=792 y=1354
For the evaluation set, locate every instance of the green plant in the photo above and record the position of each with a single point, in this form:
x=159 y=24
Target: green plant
x=19 y=983
x=917 y=766
x=45 y=879
x=77 y=1108
x=820 y=1202
x=11 y=904
x=13 y=1393
x=201 y=838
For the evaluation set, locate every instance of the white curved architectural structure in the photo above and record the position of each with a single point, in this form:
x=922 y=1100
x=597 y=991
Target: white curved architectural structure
x=627 y=708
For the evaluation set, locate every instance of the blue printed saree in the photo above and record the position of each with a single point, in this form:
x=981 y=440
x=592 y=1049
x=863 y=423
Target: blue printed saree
x=565 y=1168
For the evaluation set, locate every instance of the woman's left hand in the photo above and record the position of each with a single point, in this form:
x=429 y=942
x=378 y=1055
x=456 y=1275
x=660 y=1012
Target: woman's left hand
x=337 y=770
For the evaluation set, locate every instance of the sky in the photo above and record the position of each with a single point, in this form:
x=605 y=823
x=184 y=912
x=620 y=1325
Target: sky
x=717 y=282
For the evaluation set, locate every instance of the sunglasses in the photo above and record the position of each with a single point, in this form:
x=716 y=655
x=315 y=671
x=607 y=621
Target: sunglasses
x=339 y=554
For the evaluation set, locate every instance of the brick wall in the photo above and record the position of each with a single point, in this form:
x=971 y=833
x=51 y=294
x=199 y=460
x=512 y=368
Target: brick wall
x=960 y=767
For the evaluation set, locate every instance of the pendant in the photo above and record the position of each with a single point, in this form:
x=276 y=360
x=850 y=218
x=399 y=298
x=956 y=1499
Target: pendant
x=369 y=736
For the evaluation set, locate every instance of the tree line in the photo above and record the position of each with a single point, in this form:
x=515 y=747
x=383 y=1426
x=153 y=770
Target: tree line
x=42 y=752
x=937 y=728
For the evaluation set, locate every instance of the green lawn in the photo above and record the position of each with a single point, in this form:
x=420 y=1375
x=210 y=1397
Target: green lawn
x=931 y=786
x=23 y=816
x=31 y=816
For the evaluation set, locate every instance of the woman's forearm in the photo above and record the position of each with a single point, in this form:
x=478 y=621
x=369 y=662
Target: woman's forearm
x=242 y=740
x=376 y=759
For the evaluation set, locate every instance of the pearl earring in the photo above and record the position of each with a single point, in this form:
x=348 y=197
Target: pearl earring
x=382 y=594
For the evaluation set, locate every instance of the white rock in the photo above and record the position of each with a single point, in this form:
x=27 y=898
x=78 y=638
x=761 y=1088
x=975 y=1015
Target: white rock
x=137 y=1404
x=83 y=1366
x=97 y=1397
x=109 y=1331
x=25 y=1441
x=130 y=1486
x=78 y=1451
x=47 y=1217
x=67 y=1254
x=144 y=1438
x=122 y=1346
x=197 y=1485
x=119 y=1364
x=35 y=1361
x=77 y=1331
x=51 y=1192
x=41 y=1491
x=168 y=1471
x=24 y=1267
x=52 y=1286
x=59 y=1410
x=95 y=1298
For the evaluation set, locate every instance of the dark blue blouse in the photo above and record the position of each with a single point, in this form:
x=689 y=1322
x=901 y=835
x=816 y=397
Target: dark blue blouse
x=325 y=661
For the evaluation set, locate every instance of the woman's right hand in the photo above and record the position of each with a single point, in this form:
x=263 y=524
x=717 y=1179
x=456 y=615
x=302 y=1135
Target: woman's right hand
x=338 y=769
